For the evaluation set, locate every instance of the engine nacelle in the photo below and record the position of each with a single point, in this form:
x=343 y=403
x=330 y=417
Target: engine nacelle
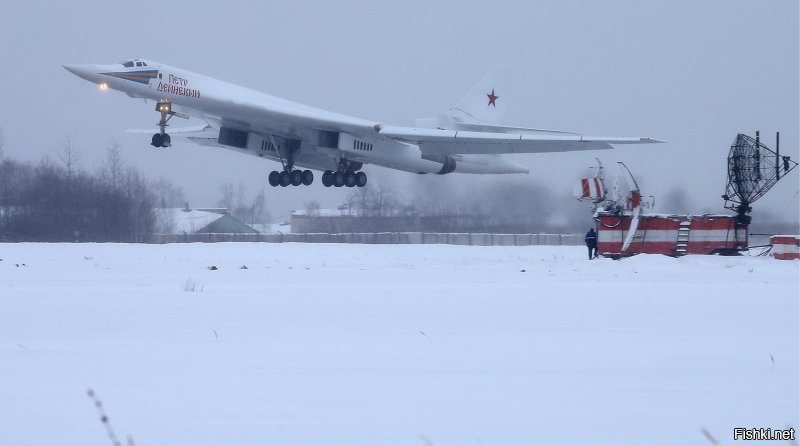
x=448 y=166
x=448 y=162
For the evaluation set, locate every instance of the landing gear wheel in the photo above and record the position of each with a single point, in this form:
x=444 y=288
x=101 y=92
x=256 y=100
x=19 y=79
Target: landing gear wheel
x=296 y=177
x=338 y=179
x=349 y=178
x=327 y=178
x=166 y=141
x=157 y=140
x=284 y=178
x=308 y=177
x=361 y=179
x=274 y=178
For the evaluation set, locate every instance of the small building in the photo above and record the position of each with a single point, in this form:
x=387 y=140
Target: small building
x=199 y=221
x=785 y=247
x=673 y=235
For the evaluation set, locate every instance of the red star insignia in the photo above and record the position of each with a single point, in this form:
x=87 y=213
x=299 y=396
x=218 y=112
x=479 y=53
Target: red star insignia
x=492 y=98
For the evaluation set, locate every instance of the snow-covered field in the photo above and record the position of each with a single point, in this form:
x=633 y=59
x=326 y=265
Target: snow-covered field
x=392 y=345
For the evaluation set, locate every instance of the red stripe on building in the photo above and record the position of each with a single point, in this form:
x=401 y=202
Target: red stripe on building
x=585 y=186
x=785 y=247
x=667 y=234
x=786 y=256
x=785 y=240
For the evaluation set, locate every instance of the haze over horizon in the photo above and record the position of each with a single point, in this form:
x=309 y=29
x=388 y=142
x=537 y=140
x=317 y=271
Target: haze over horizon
x=691 y=74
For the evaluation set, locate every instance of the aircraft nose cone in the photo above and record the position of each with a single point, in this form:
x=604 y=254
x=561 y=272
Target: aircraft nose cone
x=83 y=71
x=74 y=69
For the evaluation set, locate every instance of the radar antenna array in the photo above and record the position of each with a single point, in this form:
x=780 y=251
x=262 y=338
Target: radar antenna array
x=752 y=171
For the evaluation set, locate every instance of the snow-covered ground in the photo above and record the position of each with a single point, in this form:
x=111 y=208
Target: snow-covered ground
x=317 y=344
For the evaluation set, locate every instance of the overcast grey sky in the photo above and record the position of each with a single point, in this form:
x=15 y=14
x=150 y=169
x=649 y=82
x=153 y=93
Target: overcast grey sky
x=693 y=73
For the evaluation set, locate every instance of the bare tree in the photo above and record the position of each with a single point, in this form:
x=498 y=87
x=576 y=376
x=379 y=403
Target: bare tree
x=15 y=180
x=234 y=198
x=227 y=200
x=141 y=206
x=259 y=208
x=70 y=158
x=69 y=204
x=384 y=201
x=363 y=198
x=113 y=166
x=312 y=208
x=168 y=195
x=164 y=221
x=354 y=199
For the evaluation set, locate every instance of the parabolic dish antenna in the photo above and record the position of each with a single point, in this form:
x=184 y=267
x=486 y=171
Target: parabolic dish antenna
x=752 y=171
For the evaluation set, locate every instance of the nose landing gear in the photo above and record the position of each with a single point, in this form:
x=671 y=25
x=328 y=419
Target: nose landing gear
x=162 y=139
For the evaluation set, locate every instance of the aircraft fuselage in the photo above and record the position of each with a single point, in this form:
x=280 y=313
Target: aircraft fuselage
x=232 y=107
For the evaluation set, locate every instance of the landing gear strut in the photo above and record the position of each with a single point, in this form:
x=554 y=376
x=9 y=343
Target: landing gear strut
x=289 y=175
x=162 y=139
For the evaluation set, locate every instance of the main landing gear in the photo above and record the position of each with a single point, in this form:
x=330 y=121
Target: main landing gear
x=344 y=178
x=346 y=174
x=291 y=177
x=306 y=177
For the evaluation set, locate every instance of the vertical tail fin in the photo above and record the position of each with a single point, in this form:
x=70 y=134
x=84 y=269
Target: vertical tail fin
x=485 y=102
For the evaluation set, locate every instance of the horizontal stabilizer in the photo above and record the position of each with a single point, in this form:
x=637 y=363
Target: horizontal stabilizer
x=205 y=129
x=203 y=134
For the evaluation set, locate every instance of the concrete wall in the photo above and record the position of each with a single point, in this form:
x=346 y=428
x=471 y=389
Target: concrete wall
x=388 y=238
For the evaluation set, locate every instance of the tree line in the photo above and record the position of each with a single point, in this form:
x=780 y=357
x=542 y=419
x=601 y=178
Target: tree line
x=60 y=201
x=507 y=205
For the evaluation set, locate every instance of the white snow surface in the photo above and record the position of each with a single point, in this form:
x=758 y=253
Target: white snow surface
x=325 y=344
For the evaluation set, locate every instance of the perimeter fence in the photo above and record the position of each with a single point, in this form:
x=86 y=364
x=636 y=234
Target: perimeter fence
x=389 y=238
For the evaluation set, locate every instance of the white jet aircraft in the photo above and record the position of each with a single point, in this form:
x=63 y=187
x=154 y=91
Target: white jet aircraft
x=469 y=139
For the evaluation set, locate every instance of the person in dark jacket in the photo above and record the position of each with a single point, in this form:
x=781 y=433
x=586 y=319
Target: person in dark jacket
x=591 y=243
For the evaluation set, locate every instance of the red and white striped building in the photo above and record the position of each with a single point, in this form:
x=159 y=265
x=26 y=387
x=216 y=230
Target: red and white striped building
x=785 y=247
x=673 y=235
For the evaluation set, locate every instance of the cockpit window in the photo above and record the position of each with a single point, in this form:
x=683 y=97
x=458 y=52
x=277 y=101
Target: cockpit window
x=133 y=63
